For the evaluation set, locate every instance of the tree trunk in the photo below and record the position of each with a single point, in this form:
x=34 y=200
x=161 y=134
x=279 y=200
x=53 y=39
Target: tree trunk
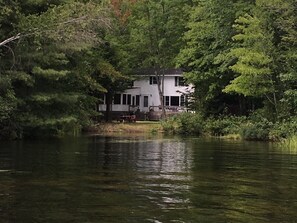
x=160 y=83
x=108 y=115
x=242 y=105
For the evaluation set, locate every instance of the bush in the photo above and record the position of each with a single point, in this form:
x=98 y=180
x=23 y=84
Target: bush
x=259 y=130
x=184 y=123
x=255 y=127
x=224 y=125
x=190 y=123
x=284 y=129
x=290 y=143
x=170 y=125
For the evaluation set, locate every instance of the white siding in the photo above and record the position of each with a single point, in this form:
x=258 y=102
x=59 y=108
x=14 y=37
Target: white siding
x=143 y=88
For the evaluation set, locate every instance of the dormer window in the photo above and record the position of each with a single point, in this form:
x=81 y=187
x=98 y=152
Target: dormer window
x=153 y=80
x=180 y=81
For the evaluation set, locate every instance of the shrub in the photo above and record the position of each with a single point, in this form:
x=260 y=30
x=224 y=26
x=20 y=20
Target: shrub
x=184 y=123
x=224 y=125
x=170 y=125
x=256 y=130
x=290 y=143
x=190 y=123
x=284 y=129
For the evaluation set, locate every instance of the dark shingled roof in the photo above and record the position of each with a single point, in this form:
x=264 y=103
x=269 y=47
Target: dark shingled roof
x=151 y=71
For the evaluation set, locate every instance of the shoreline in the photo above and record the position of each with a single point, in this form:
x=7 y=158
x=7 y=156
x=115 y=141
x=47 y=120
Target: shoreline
x=133 y=127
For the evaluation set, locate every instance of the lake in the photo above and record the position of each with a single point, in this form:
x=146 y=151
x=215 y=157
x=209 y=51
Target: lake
x=146 y=179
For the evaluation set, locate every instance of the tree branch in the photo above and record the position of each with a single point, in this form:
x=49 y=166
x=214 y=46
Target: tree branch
x=269 y=99
x=13 y=38
x=102 y=20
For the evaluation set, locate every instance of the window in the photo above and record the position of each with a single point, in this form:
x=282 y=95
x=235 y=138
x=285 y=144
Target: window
x=153 y=80
x=180 y=81
x=124 y=99
x=174 y=100
x=182 y=100
x=137 y=100
x=166 y=100
x=129 y=99
x=117 y=99
x=145 y=101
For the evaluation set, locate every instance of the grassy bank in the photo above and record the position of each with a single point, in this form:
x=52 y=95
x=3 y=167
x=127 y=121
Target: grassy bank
x=290 y=142
x=224 y=127
x=255 y=127
x=137 y=127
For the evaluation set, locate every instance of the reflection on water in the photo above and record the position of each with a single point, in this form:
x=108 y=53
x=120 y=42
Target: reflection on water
x=140 y=179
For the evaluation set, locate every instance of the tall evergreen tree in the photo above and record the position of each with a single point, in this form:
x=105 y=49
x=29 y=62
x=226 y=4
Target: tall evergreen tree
x=265 y=54
x=205 y=51
x=9 y=13
x=41 y=75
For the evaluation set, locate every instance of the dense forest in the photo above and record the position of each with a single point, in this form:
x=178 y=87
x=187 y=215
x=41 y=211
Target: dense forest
x=58 y=56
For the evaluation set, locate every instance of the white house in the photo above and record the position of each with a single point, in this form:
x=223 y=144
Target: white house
x=144 y=95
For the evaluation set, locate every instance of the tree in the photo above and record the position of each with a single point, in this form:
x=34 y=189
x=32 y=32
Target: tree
x=155 y=30
x=204 y=54
x=265 y=53
x=49 y=97
x=285 y=21
x=9 y=12
x=254 y=59
x=102 y=75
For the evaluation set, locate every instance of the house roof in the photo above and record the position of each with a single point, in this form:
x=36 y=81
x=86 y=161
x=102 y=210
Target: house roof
x=151 y=71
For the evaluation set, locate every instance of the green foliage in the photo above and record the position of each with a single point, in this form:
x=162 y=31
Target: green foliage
x=155 y=28
x=8 y=106
x=255 y=127
x=284 y=129
x=253 y=58
x=154 y=31
x=267 y=130
x=170 y=125
x=37 y=127
x=257 y=130
x=190 y=124
x=99 y=72
x=73 y=23
x=241 y=55
x=49 y=73
x=184 y=124
x=224 y=125
x=290 y=143
x=264 y=55
x=205 y=52
x=43 y=92
x=242 y=47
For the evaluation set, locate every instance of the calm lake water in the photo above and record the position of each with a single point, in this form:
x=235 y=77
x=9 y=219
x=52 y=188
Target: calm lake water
x=146 y=179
